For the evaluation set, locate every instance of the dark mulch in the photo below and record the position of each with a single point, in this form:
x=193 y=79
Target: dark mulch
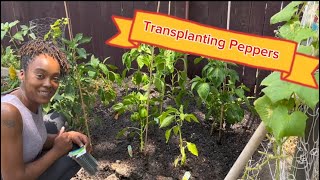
x=214 y=160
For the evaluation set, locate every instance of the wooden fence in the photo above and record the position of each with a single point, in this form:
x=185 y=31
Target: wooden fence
x=93 y=18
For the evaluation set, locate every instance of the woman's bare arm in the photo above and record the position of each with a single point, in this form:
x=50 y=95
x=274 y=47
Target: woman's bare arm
x=12 y=165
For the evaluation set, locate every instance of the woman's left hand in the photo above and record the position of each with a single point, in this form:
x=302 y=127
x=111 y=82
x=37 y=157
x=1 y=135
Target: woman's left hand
x=81 y=140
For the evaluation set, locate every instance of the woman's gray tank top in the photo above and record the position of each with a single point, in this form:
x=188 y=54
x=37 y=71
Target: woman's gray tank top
x=34 y=132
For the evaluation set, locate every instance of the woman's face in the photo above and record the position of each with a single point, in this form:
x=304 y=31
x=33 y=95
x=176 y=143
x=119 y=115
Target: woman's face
x=41 y=79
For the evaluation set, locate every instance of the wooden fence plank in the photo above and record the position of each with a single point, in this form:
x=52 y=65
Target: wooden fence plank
x=218 y=13
x=179 y=9
x=198 y=12
x=257 y=16
x=108 y=9
x=239 y=21
x=7 y=11
x=7 y=15
x=29 y=10
x=268 y=30
x=164 y=7
x=84 y=20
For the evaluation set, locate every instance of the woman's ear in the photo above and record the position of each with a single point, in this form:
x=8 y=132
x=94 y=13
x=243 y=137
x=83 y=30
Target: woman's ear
x=21 y=75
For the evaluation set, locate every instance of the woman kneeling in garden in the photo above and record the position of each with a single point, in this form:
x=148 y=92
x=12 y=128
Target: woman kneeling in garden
x=27 y=151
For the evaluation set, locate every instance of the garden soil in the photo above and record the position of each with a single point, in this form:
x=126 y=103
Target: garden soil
x=213 y=162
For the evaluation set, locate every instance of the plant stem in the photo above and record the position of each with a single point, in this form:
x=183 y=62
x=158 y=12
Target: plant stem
x=162 y=94
x=180 y=135
x=172 y=84
x=221 y=123
x=12 y=39
x=148 y=94
x=134 y=128
x=185 y=63
x=141 y=135
x=278 y=153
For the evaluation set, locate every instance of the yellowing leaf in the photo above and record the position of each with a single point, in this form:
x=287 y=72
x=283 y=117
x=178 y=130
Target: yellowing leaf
x=192 y=148
x=186 y=175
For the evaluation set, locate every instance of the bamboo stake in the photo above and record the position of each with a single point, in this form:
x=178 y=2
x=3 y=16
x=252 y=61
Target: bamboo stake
x=68 y=17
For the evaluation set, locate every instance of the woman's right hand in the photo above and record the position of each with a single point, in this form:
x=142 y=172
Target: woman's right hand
x=62 y=143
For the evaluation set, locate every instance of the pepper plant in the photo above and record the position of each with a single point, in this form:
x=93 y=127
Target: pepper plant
x=138 y=103
x=150 y=75
x=135 y=103
x=218 y=91
x=165 y=63
x=177 y=118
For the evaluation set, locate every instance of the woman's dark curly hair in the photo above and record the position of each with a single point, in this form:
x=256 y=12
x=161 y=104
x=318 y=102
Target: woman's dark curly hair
x=36 y=47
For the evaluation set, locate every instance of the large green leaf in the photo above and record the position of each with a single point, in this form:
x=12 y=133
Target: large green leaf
x=270 y=79
x=292 y=30
x=305 y=49
x=94 y=62
x=191 y=116
x=137 y=77
x=234 y=113
x=194 y=85
x=203 y=90
x=3 y=33
x=18 y=36
x=167 y=121
x=286 y=13
x=91 y=74
x=284 y=125
x=192 y=148
x=82 y=52
x=70 y=91
x=78 y=37
x=159 y=84
x=126 y=60
x=197 y=60
x=118 y=107
x=303 y=33
x=85 y=40
x=278 y=89
x=168 y=133
x=264 y=108
x=286 y=31
x=104 y=69
x=140 y=61
x=176 y=130
x=308 y=96
x=13 y=23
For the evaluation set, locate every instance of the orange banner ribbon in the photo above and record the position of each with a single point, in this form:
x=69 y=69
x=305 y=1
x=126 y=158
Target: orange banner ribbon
x=194 y=38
